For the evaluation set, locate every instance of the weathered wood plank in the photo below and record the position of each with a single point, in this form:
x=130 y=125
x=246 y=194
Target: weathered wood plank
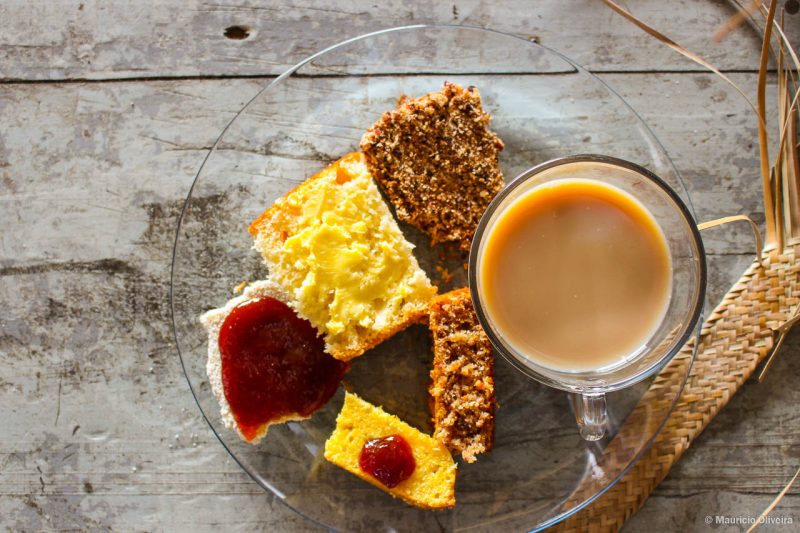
x=156 y=134
x=84 y=39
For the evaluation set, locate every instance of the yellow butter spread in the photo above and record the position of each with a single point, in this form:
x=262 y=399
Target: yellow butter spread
x=345 y=259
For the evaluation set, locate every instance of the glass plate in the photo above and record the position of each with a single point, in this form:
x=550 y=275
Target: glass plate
x=543 y=106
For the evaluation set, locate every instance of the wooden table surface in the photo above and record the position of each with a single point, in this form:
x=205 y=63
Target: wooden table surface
x=106 y=112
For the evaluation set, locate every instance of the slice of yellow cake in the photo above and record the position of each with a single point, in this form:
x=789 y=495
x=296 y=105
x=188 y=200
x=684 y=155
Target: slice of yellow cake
x=332 y=245
x=431 y=485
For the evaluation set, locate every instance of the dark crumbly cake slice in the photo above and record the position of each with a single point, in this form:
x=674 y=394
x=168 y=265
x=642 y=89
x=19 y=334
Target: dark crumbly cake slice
x=437 y=161
x=462 y=379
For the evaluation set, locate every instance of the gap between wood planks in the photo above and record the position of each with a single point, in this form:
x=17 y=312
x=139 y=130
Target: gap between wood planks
x=202 y=77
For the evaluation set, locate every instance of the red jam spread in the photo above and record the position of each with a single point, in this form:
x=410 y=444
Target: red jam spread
x=274 y=365
x=388 y=459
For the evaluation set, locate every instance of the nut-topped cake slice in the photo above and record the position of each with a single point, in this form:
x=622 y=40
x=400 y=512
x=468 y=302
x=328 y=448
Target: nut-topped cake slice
x=437 y=161
x=332 y=245
x=462 y=378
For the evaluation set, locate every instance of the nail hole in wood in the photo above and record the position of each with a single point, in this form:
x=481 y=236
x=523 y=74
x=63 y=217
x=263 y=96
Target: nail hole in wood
x=237 y=33
x=792 y=6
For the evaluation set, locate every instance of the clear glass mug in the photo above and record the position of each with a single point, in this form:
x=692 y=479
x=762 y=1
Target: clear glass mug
x=686 y=299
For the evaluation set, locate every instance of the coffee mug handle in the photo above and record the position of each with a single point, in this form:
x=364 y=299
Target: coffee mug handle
x=591 y=415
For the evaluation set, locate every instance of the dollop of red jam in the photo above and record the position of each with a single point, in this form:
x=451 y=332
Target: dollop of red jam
x=388 y=459
x=274 y=365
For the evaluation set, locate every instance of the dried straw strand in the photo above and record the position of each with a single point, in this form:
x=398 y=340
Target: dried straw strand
x=766 y=182
x=739 y=18
x=772 y=505
x=788 y=202
x=792 y=171
x=736 y=218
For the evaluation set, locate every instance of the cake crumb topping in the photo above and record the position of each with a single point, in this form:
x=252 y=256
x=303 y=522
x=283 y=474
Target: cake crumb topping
x=462 y=379
x=437 y=161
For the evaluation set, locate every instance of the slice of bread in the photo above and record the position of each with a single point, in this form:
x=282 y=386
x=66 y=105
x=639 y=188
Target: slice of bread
x=430 y=486
x=437 y=161
x=212 y=320
x=462 y=378
x=332 y=245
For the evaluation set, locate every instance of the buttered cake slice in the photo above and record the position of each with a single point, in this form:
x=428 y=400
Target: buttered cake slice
x=388 y=453
x=334 y=248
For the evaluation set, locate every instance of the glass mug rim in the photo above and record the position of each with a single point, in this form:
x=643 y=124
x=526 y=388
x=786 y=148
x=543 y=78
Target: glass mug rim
x=515 y=359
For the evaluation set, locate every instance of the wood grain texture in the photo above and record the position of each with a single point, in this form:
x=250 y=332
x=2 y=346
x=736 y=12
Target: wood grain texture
x=100 y=431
